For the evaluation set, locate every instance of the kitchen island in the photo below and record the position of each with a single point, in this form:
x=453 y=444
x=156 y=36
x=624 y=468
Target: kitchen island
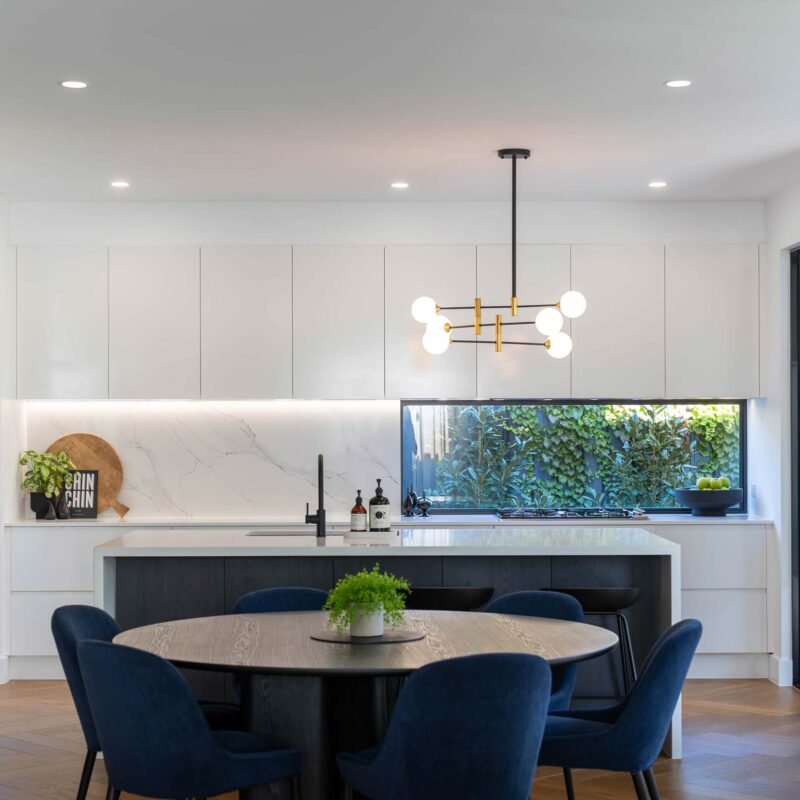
x=150 y=576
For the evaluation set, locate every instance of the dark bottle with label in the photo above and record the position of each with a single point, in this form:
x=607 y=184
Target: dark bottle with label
x=358 y=514
x=380 y=511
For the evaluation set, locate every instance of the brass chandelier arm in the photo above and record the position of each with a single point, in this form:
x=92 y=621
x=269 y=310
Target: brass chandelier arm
x=520 y=305
x=492 y=342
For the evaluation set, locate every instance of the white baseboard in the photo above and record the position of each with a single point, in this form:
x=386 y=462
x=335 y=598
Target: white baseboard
x=35 y=668
x=730 y=665
x=4 y=669
x=780 y=670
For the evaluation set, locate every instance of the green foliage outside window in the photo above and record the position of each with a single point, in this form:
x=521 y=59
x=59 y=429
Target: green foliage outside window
x=547 y=456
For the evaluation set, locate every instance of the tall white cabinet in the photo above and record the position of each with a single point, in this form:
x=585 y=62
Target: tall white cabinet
x=337 y=303
x=712 y=320
x=62 y=308
x=154 y=322
x=246 y=322
x=542 y=277
x=618 y=343
x=447 y=273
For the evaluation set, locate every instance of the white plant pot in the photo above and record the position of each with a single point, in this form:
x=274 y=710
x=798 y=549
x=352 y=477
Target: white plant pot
x=370 y=624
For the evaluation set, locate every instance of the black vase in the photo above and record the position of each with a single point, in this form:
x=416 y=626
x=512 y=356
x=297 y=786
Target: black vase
x=42 y=506
x=62 y=509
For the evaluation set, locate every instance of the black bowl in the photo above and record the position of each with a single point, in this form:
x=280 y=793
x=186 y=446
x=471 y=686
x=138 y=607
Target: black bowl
x=709 y=502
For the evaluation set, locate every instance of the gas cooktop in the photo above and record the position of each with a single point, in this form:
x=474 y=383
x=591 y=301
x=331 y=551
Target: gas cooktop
x=571 y=513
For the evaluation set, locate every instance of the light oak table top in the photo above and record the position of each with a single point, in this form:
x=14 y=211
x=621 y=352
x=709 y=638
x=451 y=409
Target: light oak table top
x=282 y=643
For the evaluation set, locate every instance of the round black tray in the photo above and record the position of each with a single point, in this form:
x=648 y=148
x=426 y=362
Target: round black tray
x=389 y=637
x=709 y=502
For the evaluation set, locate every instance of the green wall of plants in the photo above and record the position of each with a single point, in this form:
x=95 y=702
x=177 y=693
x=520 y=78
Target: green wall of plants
x=489 y=456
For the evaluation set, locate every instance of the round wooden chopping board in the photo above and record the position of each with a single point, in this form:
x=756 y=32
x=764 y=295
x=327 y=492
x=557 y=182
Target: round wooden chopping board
x=88 y=451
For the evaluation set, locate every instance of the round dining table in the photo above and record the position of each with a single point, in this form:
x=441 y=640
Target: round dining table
x=326 y=697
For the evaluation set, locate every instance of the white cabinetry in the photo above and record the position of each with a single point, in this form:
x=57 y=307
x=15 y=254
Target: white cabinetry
x=246 y=322
x=618 y=344
x=542 y=277
x=337 y=302
x=154 y=322
x=712 y=320
x=446 y=273
x=62 y=297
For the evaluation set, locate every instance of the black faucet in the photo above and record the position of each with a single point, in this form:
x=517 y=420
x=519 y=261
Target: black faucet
x=318 y=519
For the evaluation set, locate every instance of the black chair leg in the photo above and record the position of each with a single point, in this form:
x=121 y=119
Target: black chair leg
x=297 y=792
x=348 y=792
x=112 y=793
x=623 y=656
x=629 y=645
x=650 y=780
x=86 y=774
x=568 y=783
x=640 y=786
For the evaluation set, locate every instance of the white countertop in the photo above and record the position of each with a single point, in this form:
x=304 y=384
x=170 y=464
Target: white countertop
x=545 y=541
x=295 y=523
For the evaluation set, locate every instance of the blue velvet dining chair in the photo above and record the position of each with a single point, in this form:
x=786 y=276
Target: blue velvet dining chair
x=467 y=727
x=156 y=742
x=71 y=625
x=281 y=598
x=551 y=605
x=628 y=736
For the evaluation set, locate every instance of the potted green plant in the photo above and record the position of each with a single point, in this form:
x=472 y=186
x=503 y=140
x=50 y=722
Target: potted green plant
x=367 y=600
x=46 y=477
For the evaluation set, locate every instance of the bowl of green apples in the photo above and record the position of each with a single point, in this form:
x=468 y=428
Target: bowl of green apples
x=710 y=497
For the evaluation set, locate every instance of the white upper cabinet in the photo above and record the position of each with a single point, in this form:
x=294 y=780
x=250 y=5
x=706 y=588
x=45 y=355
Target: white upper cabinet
x=62 y=346
x=337 y=299
x=712 y=321
x=246 y=322
x=618 y=343
x=447 y=273
x=542 y=277
x=154 y=322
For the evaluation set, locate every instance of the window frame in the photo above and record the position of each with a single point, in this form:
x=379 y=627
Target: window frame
x=740 y=509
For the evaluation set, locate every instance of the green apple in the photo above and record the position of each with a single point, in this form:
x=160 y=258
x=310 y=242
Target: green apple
x=703 y=483
x=726 y=483
x=715 y=483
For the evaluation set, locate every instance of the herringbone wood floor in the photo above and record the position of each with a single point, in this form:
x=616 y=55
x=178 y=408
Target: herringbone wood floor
x=742 y=741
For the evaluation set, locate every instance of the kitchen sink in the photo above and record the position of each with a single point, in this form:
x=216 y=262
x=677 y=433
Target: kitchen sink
x=271 y=532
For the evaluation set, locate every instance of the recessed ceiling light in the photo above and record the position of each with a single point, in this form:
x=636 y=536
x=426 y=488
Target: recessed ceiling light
x=399 y=185
x=74 y=84
x=120 y=184
x=657 y=184
x=678 y=84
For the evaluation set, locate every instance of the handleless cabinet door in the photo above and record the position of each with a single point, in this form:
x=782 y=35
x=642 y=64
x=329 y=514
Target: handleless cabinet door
x=337 y=302
x=447 y=273
x=542 y=277
x=246 y=322
x=712 y=320
x=154 y=322
x=62 y=349
x=618 y=343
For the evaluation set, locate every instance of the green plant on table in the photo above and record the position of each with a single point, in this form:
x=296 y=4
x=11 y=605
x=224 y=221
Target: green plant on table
x=366 y=592
x=49 y=473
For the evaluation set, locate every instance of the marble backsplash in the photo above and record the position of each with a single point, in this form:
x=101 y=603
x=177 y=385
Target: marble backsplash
x=235 y=459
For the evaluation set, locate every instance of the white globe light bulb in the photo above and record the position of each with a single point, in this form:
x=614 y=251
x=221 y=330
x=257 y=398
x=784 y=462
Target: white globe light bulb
x=559 y=345
x=423 y=309
x=549 y=320
x=572 y=304
x=435 y=343
x=437 y=324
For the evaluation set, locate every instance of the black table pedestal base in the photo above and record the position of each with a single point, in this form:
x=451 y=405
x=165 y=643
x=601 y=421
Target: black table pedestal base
x=320 y=717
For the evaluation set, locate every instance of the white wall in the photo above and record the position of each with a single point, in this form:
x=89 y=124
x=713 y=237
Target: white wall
x=770 y=427
x=128 y=222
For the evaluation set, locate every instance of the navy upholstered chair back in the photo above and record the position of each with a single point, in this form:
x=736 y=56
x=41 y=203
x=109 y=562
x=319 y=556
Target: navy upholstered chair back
x=551 y=605
x=282 y=598
x=468 y=727
x=156 y=741
x=70 y=626
x=644 y=719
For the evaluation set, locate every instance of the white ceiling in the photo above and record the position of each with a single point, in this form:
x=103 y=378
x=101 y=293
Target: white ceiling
x=334 y=99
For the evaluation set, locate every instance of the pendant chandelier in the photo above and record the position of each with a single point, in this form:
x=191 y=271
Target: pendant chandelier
x=549 y=319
